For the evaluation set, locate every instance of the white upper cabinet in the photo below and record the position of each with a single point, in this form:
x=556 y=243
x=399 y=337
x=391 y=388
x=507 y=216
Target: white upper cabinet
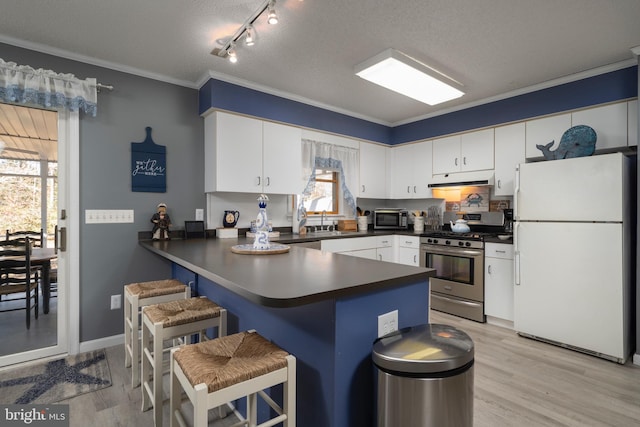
x=282 y=159
x=233 y=153
x=373 y=171
x=543 y=131
x=632 y=123
x=471 y=151
x=411 y=171
x=247 y=155
x=509 y=147
x=476 y=150
x=609 y=122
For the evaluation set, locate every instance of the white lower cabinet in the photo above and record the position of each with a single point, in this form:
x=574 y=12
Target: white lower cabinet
x=391 y=248
x=362 y=253
x=498 y=281
x=408 y=250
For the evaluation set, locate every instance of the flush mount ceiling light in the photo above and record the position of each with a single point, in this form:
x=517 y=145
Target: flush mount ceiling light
x=400 y=73
x=228 y=50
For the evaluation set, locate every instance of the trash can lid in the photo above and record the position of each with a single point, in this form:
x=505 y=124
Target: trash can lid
x=426 y=348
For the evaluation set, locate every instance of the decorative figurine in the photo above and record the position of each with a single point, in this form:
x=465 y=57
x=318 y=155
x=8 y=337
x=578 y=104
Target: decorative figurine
x=262 y=225
x=161 y=223
x=578 y=141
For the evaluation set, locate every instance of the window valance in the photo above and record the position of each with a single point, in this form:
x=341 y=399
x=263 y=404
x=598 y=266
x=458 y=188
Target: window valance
x=23 y=84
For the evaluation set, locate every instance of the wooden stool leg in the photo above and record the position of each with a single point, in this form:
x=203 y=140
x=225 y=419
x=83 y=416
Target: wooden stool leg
x=127 y=331
x=157 y=366
x=135 y=344
x=175 y=392
x=252 y=409
x=200 y=407
x=289 y=393
x=146 y=365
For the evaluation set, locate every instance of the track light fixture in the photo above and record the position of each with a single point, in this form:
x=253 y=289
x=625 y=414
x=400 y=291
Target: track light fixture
x=228 y=50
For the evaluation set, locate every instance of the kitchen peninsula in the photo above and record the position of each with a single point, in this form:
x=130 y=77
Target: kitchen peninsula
x=320 y=306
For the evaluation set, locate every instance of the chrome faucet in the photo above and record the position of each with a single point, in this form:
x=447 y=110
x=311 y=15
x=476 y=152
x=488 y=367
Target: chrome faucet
x=322 y=217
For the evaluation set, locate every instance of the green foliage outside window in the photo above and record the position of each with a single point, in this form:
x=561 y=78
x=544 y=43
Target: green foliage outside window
x=20 y=195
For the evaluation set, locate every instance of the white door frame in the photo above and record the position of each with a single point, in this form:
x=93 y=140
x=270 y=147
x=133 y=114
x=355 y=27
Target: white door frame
x=68 y=317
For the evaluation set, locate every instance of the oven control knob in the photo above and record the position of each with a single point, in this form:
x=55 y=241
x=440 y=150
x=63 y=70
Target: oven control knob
x=468 y=244
x=461 y=243
x=448 y=242
x=435 y=240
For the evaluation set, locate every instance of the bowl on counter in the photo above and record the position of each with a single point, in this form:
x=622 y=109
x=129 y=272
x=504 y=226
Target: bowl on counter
x=504 y=236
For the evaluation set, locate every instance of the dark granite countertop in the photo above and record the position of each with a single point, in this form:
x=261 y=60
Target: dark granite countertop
x=299 y=277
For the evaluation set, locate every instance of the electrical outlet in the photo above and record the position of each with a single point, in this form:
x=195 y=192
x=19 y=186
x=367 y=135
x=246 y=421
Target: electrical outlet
x=116 y=302
x=199 y=214
x=387 y=323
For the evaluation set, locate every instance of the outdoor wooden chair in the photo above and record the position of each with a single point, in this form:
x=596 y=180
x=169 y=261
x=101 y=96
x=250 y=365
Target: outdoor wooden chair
x=35 y=237
x=18 y=277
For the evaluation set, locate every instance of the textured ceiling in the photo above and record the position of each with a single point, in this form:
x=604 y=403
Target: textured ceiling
x=493 y=47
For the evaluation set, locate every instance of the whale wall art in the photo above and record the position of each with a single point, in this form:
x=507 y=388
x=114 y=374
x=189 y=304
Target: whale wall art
x=577 y=141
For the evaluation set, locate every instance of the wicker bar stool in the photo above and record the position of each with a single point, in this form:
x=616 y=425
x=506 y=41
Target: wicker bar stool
x=136 y=296
x=168 y=321
x=222 y=370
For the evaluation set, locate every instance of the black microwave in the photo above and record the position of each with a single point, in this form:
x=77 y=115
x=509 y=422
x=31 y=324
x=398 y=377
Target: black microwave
x=390 y=219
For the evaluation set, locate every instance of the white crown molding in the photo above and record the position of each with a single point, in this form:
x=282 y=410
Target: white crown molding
x=544 y=85
x=94 y=61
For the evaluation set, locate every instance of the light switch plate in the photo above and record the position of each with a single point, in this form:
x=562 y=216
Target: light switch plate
x=199 y=214
x=108 y=216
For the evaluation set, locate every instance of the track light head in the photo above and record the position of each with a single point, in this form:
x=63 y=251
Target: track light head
x=231 y=53
x=250 y=36
x=272 y=17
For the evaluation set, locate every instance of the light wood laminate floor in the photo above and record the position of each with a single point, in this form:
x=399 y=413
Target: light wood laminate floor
x=518 y=382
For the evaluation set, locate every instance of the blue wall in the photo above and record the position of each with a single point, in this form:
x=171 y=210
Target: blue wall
x=227 y=96
x=608 y=87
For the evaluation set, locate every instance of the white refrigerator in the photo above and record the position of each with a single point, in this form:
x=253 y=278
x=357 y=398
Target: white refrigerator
x=572 y=244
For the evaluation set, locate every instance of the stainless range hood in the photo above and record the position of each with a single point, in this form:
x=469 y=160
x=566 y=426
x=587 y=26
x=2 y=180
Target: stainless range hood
x=459 y=179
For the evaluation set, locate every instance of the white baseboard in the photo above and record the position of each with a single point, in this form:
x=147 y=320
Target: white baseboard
x=636 y=359
x=101 y=343
x=500 y=322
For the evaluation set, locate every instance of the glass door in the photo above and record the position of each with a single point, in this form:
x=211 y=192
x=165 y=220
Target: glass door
x=29 y=200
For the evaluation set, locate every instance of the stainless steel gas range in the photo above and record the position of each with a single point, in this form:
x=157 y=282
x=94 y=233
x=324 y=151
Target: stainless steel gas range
x=458 y=258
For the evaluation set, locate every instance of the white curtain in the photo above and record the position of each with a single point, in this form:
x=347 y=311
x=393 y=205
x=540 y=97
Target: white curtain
x=25 y=85
x=345 y=160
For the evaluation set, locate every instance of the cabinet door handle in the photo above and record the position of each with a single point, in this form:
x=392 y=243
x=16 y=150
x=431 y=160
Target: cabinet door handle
x=408 y=189
x=464 y=161
x=380 y=257
x=499 y=183
x=258 y=180
x=268 y=181
x=456 y=161
x=415 y=259
x=363 y=188
x=489 y=269
x=501 y=252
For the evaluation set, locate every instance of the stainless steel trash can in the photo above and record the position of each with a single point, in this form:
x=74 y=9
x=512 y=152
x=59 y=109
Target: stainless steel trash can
x=425 y=377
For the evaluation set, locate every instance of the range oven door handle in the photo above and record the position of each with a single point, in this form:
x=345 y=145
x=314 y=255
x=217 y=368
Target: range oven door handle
x=455 y=251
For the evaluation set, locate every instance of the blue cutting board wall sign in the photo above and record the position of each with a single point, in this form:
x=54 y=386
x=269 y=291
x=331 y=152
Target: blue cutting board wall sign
x=148 y=166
